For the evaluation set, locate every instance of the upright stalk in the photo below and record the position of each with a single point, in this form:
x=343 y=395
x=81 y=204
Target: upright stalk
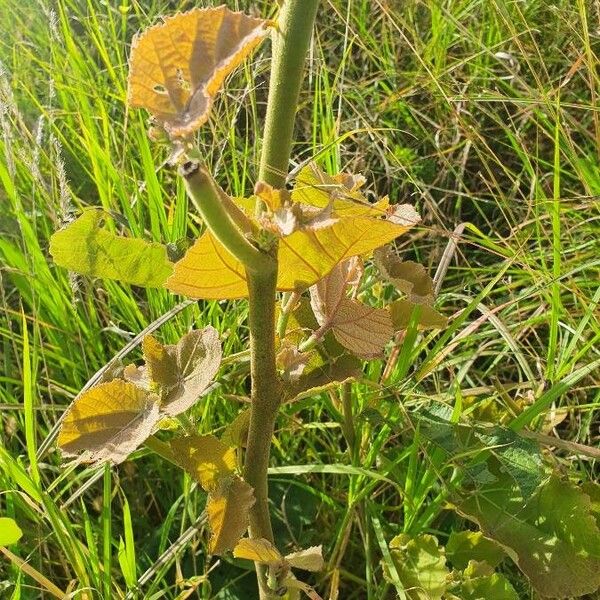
x=290 y=45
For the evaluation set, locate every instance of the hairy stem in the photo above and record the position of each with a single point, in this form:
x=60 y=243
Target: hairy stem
x=225 y=221
x=290 y=44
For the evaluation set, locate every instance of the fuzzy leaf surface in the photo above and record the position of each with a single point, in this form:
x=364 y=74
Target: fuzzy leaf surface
x=309 y=559
x=228 y=514
x=362 y=329
x=208 y=460
x=421 y=566
x=86 y=247
x=553 y=537
x=177 y=67
x=197 y=357
x=109 y=421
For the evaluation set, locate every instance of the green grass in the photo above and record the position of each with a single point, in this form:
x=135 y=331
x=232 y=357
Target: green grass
x=484 y=113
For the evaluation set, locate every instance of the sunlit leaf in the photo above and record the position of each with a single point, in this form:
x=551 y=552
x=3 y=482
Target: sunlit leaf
x=10 y=532
x=178 y=66
x=209 y=271
x=227 y=510
x=109 y=421
x=208 y=460
x=552 y=536
x=362 y=329
x=316 y=188
x=197 y=357
x=465 y=546
x=161 y=365
x=306 y=256
x=236 y=433
x=86 y=247
x=427 y=317
x=310 y=559
x=258 y=550
x=421 y=566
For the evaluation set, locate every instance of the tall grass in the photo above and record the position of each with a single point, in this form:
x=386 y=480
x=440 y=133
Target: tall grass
x=483 y=113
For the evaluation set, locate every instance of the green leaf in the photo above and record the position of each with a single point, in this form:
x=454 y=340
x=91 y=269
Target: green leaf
x=490 y=587
x=465 y=546
x=552 y=536
x=85 y=247
x=236 y=433
x=427 y=317
x=421 y=566
x=484 y=451
x=10 y=532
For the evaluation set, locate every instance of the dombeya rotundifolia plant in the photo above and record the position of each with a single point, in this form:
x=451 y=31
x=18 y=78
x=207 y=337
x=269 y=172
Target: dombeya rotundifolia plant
x=308 y=242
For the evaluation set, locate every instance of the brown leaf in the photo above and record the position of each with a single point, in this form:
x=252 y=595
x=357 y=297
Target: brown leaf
x=177 y=67
x=360 y=328
x=291 y=361
x=227 y=511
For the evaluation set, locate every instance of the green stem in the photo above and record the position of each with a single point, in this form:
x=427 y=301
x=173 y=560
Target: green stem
x=223 y=218
x=290 y=45
x=349 y=433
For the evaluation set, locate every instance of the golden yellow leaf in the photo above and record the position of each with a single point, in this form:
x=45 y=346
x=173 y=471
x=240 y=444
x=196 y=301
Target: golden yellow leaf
x=227 y=511
x=316 y=242
x=310 y=559
x=177 y=67
x=306 y=256
x=360 y=328
x=208 y=460
x=258 y=550
x=209 y=271
x=316 y=188
x=108 y=422
x=161 y=366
